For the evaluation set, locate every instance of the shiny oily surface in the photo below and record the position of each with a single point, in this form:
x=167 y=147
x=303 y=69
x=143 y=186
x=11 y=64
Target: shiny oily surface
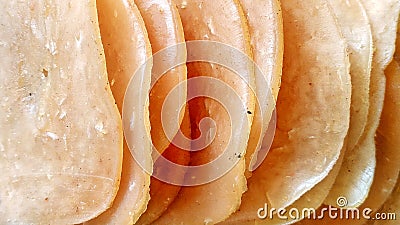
x=313 y=106
x=354 y=24
x=266 y=38
x=60 y=130
x=162 y=194
x=127 y=47
x=356 y=174
x=221 y=21
x=165 y=30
